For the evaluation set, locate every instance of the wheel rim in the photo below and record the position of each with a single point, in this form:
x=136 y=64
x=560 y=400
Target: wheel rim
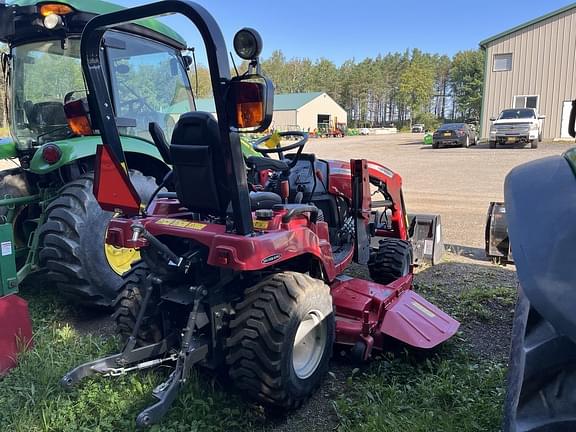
x=309 y=344
x=120 y=259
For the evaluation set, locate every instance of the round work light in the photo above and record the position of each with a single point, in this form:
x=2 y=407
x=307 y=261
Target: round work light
x=247 y=44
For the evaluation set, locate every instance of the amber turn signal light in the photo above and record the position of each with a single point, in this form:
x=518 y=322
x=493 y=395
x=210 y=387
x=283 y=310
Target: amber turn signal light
x=55 y=9
x=78 y=120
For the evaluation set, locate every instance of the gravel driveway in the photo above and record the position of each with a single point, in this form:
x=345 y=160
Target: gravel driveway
x=457 y=183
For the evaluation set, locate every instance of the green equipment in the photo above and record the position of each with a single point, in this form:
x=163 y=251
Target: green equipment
x=46 y=198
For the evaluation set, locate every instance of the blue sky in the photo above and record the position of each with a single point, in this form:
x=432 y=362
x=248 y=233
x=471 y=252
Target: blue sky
x=341 y=30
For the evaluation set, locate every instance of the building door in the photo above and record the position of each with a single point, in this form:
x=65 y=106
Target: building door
x=324 y=122
x=566 y=107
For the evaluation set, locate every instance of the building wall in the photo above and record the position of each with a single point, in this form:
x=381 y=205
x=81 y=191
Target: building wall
x=284 y=120
x=543 y=64
x=307 y=115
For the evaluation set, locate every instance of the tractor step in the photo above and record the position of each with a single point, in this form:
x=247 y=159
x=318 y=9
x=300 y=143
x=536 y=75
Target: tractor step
x=369 y=312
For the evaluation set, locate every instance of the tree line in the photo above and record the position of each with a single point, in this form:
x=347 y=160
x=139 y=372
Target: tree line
x=398 y=88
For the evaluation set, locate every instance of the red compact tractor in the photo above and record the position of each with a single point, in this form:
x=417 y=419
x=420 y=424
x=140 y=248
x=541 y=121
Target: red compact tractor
x=244 y=259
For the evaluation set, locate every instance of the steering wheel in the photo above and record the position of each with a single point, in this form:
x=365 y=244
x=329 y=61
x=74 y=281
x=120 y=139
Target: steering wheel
x=299 y=144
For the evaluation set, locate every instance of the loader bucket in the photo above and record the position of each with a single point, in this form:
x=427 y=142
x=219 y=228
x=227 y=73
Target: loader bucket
x=496 y=234
x=15 y=330
x=425 y=232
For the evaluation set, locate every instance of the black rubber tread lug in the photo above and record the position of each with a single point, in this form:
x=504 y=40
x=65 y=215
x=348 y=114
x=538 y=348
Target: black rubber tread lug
x=387 y=262
x=69 y=241
x=257 y=344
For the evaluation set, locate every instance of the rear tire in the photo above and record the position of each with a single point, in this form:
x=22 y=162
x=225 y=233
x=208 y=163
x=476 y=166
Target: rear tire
x=128 y=305
x=435 y=145
x=392 y=260
x=541 y=376
x=534 y=143
x=72 y=242
x=492 y=144
x=265 y=361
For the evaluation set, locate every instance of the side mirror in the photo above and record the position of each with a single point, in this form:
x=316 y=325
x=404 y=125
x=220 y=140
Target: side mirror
x=541 y=117
x=250 y=103
x=492 y=118
x=187 y=61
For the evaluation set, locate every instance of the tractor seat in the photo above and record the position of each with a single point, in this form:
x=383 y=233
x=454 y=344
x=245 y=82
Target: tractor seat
x=264 y=200
x=199 y=170
x=260 y=163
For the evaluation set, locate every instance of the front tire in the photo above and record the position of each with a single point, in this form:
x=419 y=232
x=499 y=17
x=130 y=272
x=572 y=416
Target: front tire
x=281 y=339
x=534 y=143
x=72 y=242
x=435 y=145
x=467 y=142
x=392 y=260
x=492 y=144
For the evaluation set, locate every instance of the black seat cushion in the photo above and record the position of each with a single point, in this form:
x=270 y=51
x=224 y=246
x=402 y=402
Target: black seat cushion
x=264 y=200
x=199 y=170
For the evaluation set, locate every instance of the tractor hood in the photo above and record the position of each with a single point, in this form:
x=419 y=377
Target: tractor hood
x=21 y=21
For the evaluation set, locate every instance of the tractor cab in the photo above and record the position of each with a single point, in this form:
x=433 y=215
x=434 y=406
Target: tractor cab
x=146 y=72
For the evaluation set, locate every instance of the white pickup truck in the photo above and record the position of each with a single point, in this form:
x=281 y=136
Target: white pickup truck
x=516 y=126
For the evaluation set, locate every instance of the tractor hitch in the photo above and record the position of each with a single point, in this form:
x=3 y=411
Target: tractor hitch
x=192 y=350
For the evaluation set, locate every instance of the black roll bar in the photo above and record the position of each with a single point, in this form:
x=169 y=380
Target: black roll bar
x=102 y=113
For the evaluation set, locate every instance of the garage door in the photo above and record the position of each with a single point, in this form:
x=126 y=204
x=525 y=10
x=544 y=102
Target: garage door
x=565 y=117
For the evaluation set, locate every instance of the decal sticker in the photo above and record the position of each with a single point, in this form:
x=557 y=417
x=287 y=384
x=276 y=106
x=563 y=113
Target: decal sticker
x=271 y=258
x=6 y=248
x=182 y=223
x=260 y=224
x=382 y=170
x=423 y=309
x=340 y=171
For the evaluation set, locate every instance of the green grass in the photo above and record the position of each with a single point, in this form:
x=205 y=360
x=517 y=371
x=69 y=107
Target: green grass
x=448 y=391
x=473 y=303
x=34 y=401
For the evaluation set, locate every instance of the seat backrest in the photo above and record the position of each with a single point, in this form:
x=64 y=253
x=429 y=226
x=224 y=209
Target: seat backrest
x=199 y=168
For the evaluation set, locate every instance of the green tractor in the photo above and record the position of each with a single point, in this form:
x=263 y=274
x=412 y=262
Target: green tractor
x=58 y=228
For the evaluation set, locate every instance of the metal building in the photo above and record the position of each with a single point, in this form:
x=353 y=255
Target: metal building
x=298 y=111
x=533 y=65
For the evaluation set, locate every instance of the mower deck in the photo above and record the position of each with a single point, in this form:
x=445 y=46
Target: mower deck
x=376 y=311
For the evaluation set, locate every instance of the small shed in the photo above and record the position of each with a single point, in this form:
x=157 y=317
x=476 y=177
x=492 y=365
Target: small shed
x=298 y=111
